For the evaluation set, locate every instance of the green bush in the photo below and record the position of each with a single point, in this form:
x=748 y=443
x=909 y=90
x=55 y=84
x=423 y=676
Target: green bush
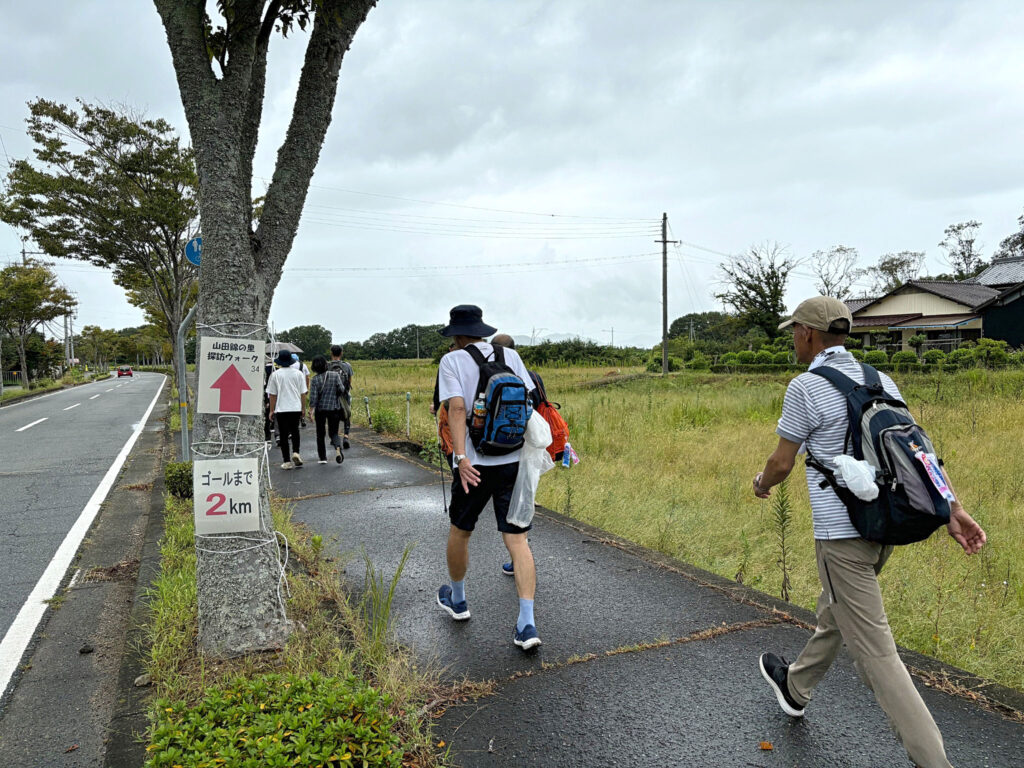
x=277 y=721
x=729 y=358
x=178 y=479
x=698 y=362
x=858 y=354
x=962 y=357
x=1017 y=358
x=875 y=357
x=387 y=419
x=904 y=360
x=991 y=353
x=763 y=357
x=781 y=358
x=935 y=357
x=746 y=357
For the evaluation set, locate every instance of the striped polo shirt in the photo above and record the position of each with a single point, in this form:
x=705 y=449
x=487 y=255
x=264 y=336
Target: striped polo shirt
x=814 y=415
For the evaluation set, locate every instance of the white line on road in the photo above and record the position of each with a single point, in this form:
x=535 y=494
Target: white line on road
x=37 y=421
x=43 y=397
x=19 y=635
x=111 y=389
x=117 y=387
x=94 y=397
x=72 y=406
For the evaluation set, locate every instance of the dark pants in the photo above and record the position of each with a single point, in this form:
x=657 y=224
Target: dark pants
x=288 y=427
x=496 y=483
x=326 y=422
x=348 y=421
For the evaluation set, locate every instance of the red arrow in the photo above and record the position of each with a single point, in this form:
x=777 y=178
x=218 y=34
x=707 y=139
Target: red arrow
x=231 y=384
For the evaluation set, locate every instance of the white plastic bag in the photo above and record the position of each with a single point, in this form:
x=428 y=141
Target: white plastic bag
x=534 y=461
x=859 y=477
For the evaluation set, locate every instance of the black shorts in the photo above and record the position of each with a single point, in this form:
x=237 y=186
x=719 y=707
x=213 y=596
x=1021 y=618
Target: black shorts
x=496 y=483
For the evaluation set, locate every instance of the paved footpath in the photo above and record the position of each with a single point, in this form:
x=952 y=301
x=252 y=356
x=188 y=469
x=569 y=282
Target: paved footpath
x=644 y=662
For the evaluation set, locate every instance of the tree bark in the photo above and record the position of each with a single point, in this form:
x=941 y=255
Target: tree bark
x=239 y=609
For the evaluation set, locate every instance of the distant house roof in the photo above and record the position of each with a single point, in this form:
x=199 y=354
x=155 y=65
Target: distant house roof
x=855 y=304
x=881 y=321
x=936 y=321
x=1005 y=272
x=970 y=295
x=1008 y=296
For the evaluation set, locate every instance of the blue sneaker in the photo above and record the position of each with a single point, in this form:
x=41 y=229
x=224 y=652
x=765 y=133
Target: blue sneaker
x=527 y=639
x=458 y=611
x=508 y=569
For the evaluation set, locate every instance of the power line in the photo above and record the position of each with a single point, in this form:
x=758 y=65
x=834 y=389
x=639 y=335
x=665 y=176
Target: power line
x=489 y=235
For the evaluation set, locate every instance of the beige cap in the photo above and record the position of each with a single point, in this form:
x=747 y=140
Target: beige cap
x=823 y=313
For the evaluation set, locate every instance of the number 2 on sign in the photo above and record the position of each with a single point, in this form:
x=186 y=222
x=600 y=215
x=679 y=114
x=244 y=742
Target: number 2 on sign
x=220 y=501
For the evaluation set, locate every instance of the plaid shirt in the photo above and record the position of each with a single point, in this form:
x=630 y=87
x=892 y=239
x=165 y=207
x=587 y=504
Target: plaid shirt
x=325 y=389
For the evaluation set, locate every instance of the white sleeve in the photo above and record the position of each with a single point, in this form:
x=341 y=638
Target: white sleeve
x=519 y=369
x=272 y=385
x=448 y=383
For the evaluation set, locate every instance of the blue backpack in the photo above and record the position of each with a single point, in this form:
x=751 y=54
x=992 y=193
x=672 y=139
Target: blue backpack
x=913 y=498
x=507 y=407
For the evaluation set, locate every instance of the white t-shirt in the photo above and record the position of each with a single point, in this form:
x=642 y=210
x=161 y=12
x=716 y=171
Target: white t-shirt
x=298 y=365
x=288 y=384
x=459 y=376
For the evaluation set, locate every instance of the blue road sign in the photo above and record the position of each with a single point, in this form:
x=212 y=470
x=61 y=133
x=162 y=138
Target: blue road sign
x=194 y=249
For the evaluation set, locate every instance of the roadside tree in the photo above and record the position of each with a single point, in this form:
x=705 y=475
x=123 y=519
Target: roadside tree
x=311 y=339
x=221 y=72
x=116 y=190
x=30 y=295
x=963 y=252
x=835 y=270
x=754 y=285
x=893 y=270
x=1013 y=245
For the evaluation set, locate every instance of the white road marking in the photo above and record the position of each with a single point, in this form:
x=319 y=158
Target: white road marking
x=74 y=579
x=111 y=389
x=117 y=386
x=19 y=635
x=43 y=397
x=72 y=406
x=37 y=421
x=94 y=397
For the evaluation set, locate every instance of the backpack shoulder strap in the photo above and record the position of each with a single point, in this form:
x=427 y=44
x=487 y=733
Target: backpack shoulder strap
x=871 y=377
x=476 y=354
x=839 y=380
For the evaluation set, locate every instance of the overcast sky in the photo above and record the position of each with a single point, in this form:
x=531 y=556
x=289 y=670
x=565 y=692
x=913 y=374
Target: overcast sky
x=469 y=134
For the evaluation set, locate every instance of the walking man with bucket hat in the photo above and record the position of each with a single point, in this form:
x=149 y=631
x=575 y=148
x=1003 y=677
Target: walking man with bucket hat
x=479 y=474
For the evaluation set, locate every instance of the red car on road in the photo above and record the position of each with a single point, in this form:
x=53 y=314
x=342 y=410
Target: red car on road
x=124 y=370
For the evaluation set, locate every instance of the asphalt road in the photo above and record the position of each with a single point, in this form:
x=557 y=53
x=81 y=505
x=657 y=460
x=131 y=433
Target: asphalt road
x=54 y=452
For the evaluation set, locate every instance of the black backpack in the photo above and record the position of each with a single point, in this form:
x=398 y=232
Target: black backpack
x=346 y=379
x=913 y=500
x=506 y=404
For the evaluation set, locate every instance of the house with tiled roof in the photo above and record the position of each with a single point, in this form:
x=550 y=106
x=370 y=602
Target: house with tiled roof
x=946 y=313
x=1002 y=273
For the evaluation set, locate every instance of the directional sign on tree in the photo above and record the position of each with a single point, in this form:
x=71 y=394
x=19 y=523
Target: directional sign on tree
x=230 y=376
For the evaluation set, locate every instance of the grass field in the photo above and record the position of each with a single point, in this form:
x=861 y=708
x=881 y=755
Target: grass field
x=667 y=463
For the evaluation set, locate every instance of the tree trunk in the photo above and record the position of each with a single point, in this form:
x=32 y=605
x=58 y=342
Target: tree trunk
x=23 y=359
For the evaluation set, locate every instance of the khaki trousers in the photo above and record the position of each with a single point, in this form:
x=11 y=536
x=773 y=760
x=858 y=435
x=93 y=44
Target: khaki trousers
x=850 y=609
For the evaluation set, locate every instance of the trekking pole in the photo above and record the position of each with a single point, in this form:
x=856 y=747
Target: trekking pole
x=369 y=418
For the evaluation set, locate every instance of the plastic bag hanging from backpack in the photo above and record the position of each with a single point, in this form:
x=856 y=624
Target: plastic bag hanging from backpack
x=534 y=461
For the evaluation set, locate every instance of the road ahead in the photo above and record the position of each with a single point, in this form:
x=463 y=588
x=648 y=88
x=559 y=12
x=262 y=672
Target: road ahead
x=54 y=454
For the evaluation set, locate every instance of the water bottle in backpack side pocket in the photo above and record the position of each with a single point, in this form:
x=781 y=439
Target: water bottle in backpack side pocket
x=567 y=455
x=476 y=425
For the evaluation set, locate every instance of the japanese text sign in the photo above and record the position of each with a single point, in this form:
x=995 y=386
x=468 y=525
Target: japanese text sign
x=230 y=376
x=227 y=495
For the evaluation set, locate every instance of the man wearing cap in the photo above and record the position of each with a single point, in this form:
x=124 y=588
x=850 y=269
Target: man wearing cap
x=850 y=605
x=287 y=390
x=480 y=478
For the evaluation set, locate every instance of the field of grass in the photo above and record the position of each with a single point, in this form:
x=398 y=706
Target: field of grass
x=667 y=463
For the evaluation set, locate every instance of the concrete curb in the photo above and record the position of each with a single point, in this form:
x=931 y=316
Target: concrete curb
x=129 y=722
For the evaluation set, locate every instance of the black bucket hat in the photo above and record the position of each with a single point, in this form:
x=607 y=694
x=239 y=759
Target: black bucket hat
x=284 y=359
x=467 y=320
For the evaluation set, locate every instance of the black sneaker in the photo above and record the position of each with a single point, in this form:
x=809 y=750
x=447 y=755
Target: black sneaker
x=776 y=671
x=344 y=443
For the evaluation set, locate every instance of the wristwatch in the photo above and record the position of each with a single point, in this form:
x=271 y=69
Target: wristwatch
x=456 y=458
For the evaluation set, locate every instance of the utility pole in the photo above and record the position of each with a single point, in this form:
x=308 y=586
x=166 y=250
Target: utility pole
x=612 y=332
x=691 y=330
x=417 y=342
x=664 y=291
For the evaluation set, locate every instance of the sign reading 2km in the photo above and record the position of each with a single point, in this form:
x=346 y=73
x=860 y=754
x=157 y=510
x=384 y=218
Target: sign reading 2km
x=230 y=376
x=227 y=495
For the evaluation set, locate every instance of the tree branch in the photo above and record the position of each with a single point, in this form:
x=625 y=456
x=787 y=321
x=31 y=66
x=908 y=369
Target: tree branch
x=334 y=26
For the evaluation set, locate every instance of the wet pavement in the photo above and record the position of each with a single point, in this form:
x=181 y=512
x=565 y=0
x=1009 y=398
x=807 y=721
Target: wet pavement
x=641 y=665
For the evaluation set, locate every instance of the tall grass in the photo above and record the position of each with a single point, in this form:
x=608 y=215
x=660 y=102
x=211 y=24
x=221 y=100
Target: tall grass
x=667 y=463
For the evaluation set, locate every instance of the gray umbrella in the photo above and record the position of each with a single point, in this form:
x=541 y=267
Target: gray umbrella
x=273 y=347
